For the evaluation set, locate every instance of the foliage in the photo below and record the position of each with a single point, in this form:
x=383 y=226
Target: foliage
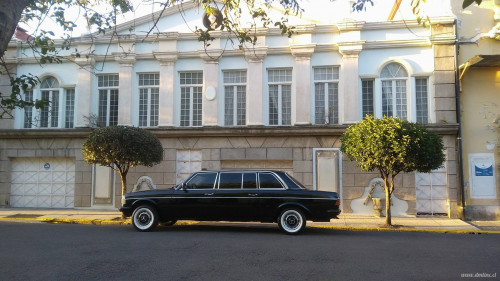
x=121 y=148
x=391 y=146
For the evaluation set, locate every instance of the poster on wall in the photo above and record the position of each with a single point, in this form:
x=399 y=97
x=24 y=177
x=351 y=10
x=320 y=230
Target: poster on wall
x=482 y=176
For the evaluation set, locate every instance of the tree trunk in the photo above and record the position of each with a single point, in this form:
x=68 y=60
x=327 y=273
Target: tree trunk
x=123 y=176
x=388 y=221
x=10 y=13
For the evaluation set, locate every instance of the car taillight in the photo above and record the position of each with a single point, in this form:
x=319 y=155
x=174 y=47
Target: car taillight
x=337 y=203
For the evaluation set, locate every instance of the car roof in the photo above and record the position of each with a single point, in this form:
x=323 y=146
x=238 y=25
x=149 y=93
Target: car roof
x=240 y=171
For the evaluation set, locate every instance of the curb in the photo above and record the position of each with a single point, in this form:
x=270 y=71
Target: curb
x=403 y=229
x=184 y=223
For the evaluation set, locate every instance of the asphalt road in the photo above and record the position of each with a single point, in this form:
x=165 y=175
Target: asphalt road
x=38 y=251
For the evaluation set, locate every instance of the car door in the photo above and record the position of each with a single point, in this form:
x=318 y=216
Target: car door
x=195 y=200
x=236 y=195
x=271 y=195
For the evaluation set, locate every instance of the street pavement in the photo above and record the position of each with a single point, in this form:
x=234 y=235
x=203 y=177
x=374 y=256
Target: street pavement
x=345 y=221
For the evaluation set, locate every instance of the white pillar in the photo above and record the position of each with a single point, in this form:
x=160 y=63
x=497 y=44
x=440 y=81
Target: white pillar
x=350 y=86
x=301 y=95
x=255 y=87
x=210 y=83
x=350 y=45
x=125 y=89
x=84 y=92
x=167 y=90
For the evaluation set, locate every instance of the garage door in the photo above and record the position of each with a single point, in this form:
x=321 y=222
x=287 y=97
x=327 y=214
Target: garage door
x=42 y=182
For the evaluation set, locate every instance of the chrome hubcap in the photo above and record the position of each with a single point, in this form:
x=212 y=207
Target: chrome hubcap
x=143 y=219
x=291 y=221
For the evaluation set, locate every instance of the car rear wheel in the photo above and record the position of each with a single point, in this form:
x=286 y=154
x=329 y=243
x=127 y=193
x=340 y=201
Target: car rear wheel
x=145 y=218
x=292 y=221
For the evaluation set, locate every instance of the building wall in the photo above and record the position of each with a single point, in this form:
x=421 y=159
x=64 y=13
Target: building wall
x=359 y=51
x=479 y=101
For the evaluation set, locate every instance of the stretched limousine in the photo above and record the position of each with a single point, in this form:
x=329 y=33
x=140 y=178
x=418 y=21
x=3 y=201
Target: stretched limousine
x=260 y=196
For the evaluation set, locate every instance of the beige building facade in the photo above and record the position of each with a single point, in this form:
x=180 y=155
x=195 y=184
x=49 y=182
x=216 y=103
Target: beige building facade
x=479 y=59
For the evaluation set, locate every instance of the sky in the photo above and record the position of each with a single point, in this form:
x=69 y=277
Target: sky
x=316 y=11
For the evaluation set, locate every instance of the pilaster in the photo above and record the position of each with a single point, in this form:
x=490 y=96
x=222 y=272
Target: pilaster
x=443 y=40
x=126 y=62
x=210 y=83
x=255 y=91
x=350 y=83
x=84 y=90
x=301 y=101
x=167 y=90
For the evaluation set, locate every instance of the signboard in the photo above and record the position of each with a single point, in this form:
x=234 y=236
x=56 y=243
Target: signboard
x=482 y=176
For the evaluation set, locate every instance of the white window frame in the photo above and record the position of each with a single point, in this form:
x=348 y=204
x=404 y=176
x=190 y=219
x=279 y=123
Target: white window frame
x=233 y=86
x=190 y=93
x=108 y=90
x=280 y=85
x=411 y=95
x=57 y=120
x=149 y=88
x=326 y=83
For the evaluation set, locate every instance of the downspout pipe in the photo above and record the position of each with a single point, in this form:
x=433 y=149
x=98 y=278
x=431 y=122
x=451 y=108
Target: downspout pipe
x=459 y=121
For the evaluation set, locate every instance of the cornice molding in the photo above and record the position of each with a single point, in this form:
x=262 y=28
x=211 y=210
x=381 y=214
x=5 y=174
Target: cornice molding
x=214 y=131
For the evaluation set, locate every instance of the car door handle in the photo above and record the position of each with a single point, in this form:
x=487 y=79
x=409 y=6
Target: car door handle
x=252 y=194
x=209 y=194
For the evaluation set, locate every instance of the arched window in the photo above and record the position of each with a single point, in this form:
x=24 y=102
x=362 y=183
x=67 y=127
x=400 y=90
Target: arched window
x=394 y=79
x=398 y=92
x=59 y=112
x=49 y=114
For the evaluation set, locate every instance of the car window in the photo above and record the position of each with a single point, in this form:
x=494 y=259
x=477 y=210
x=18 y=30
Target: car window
x=202 y=181
x=230 y=180
x=291 y=182
x=268 y=180
x=250 y=180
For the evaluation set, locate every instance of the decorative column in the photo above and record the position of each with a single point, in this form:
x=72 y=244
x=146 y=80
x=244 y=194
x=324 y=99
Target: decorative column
x=167 y=91
x=127 y=62
x=350 y=45
x=301 y=99
x=255 y=91
x=84 y=90
x=350 y=84
x=210 y=83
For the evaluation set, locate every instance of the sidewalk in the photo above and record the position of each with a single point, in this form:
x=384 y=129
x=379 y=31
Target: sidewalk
x=345 y=222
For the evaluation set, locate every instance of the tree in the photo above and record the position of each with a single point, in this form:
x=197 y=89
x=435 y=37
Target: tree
x=391 y=146
x=121 y=148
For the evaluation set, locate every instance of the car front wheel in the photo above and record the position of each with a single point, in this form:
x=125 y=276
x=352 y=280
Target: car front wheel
x=291 y=221
x=145 y=218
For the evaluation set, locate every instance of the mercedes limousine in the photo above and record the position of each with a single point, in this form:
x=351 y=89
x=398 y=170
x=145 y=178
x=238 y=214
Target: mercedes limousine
x=259 y=196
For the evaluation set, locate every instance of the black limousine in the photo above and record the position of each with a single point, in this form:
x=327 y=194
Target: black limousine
x=260 y=196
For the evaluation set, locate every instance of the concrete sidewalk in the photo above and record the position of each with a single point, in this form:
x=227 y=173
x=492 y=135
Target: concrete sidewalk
x=345 y=222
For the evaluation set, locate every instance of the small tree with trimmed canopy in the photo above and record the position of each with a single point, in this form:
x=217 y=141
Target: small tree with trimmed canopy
x=391 y=146
x=121 y=148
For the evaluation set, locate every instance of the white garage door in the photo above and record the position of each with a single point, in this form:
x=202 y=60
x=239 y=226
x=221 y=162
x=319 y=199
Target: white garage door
x=42 y=182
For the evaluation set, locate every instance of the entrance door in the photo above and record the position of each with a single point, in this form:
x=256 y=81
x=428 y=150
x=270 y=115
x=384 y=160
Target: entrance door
x=432 y=193
x=326 y=169
x=103 y=186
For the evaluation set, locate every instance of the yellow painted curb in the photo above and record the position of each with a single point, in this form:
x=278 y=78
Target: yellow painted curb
x=73 y=221
x=404 y=229
x=186 y=223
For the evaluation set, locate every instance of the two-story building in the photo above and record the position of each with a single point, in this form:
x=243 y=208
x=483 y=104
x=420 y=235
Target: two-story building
x=281 y=104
